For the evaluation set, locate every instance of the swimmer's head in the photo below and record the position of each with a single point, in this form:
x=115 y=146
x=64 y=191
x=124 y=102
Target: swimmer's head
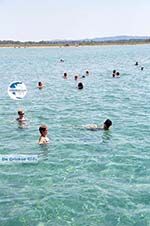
x=65 y=75
x=75 y=77
x=43 y=130
x=20 y=112
x=107 y=124
x=114 y=71
x=40 y=83
x=80 y=85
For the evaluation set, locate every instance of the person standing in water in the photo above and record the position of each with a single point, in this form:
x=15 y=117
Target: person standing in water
x=43 y=139
x=21 y=118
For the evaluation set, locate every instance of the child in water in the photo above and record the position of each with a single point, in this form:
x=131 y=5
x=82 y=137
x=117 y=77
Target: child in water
x=21 y=119
x=43 y=137
x=95 y=127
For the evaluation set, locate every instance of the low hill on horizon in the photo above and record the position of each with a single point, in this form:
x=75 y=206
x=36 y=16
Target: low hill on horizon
x=93 y=41
x=120 y=38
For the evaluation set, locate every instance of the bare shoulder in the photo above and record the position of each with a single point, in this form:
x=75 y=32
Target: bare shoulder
x=43 y=140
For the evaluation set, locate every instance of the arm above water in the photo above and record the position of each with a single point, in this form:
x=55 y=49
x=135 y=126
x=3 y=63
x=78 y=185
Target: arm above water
x=93 y=127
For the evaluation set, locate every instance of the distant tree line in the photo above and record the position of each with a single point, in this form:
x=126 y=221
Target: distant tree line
x=70 y=42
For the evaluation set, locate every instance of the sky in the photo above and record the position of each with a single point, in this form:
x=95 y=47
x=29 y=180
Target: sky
x=37 y=20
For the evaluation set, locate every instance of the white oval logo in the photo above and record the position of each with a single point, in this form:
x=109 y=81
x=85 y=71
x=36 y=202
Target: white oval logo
x=17 y=90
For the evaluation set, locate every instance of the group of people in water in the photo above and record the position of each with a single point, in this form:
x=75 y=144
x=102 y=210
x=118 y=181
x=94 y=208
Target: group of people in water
x=43 y=129
x=76 y=78
x=136 y=64
x=115 y=74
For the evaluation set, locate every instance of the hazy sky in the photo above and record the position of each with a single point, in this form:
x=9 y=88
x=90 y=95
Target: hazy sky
x=68 y=19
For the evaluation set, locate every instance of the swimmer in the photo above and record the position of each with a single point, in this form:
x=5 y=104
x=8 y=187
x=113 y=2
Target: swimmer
x=117 y=74
x=21 y=119
x=43 y=129
x=80 y=85
x=83 y=76
x=40 y=85
x=65 y=75
x=136 y=64
x=76 y=77
x=87 y=73
x=142 y=68
x=95 y=127
x=61 y=60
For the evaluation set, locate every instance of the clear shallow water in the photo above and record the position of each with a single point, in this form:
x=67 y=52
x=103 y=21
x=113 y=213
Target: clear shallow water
x=82 y=178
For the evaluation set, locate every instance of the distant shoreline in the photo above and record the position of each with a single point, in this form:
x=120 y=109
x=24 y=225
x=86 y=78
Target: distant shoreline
x=67 y=45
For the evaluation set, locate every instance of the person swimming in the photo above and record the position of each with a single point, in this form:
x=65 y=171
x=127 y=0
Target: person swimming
x=80 y=85
x=87 y=72
x=76 y=77
x=65 y=75
x=117 y=74
x=136 y=64
x=40 y=85
x=43 y=139
x=95 y=127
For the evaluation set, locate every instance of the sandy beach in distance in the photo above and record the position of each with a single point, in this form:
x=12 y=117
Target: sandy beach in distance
x=75 y=46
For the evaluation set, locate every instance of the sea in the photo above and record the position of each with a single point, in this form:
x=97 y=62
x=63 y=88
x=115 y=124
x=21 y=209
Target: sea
x=82 y=177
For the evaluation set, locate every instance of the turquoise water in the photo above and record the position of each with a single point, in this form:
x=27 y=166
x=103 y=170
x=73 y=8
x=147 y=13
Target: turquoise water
x=82 y=178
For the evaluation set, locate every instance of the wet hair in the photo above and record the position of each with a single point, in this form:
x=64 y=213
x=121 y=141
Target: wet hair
x=20 y=112
x=117 y=73
x=75 y=77
x=65 y=74
x=114 y=71
x=80 y=85
x=42 y=128
x=142 y=68
x=83 y=76
x=107 y=124
x=136 y=63
x=87 y=72
x=40 y=83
